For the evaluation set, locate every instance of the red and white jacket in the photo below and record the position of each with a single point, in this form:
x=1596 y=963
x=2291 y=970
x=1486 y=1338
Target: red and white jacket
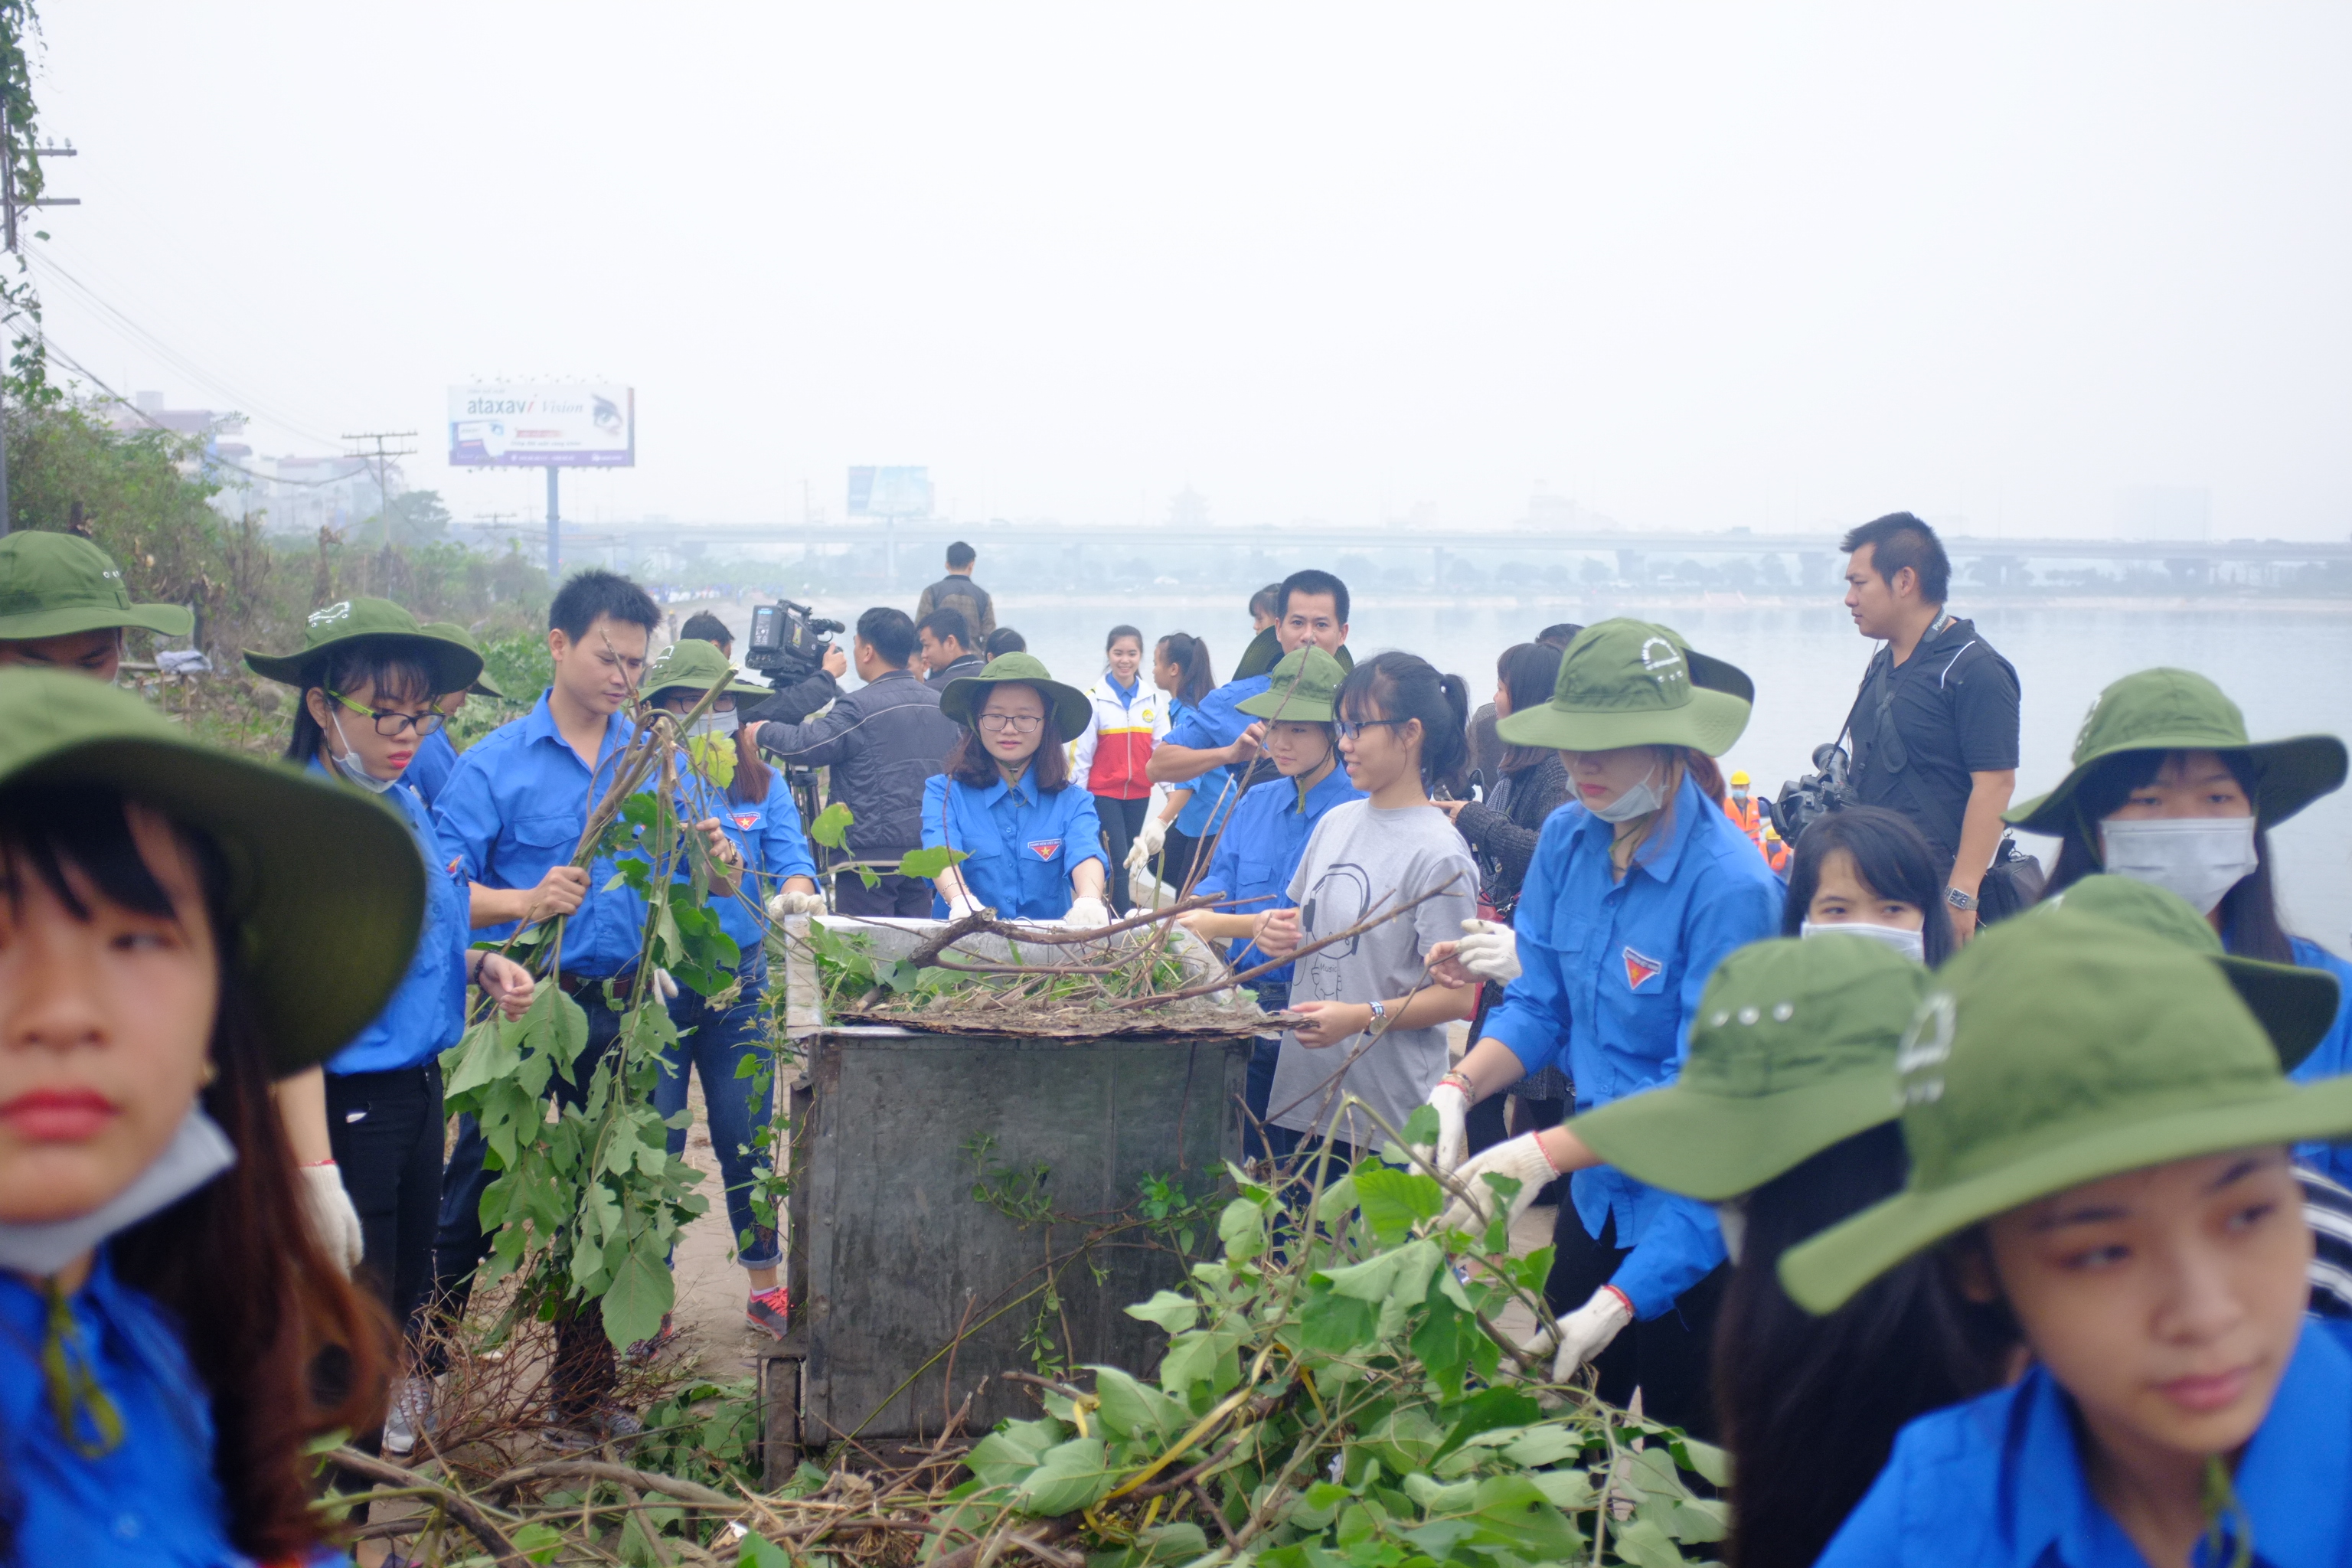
x=1109 y=758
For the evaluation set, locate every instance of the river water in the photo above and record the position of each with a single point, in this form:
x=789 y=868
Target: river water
x=2287 y=667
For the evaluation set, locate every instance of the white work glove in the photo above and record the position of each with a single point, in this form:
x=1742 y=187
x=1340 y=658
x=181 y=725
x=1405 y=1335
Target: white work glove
x=784 y=904
x=1452 y=1103
x=963 y=904
x=664 y=985
x=333 y=1219
x=1585 y=1332
x=1521 y=1157
x=1148 y=843
x=1087 y=914
x=1489 y=950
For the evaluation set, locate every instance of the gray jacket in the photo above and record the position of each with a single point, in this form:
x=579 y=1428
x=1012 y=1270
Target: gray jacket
x=881 y=740
x=970 y=664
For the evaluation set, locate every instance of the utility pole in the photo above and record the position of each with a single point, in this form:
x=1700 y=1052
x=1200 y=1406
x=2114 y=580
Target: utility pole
x=384 y=456
x=554 y=532
x=10 y=203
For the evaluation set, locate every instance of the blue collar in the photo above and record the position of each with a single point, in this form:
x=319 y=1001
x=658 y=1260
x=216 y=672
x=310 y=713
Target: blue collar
x=1692 y=807
x=1334 y=787
x=1125 y=693
x=998 y=789
x=538 y=724
x=2289 y=1482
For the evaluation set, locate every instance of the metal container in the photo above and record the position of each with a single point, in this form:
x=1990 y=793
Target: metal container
x=907 y=1288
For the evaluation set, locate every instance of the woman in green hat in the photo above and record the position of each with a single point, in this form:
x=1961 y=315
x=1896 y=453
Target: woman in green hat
x=729 y=780
x=1639 y=887
x=182 y=929
x=367 y=677
x=2098 y=1137
x=63 y=606
x=1032 y=843
x=2167 y=789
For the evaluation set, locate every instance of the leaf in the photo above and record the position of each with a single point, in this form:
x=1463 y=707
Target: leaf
x=1013 y=1450
x=758 y=1551
x=1702 y=1458
x=1241 y=1227
x=1201 y=1355
x=1643 y=1542
x=1394 y=1201
x=927 y=864
x=537 y=1542
x=641 y=1292
x=1540 y=1446
x=1403 y=1274
x=486 y=1052
x=1173 y=1312
x=1489 y=1409
x=1071 y=1476
x=1512 y=1511
x=831 y=828
x=1130 y=1409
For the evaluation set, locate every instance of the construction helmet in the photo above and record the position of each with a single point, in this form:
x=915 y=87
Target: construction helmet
x=1739 y=780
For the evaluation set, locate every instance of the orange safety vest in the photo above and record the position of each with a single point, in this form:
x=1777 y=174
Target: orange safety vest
x=1749 y=816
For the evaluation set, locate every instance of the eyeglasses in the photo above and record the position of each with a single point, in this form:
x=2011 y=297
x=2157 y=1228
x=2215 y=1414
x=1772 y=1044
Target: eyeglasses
x=1349 y=729
x=391 y=725
x=1019 y=723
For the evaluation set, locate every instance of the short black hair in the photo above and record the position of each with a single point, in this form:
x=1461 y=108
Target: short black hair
x=947 y=623
x=1313 y=582
x=1899 y=540
x=961 y=555
x=1004 y=640
x=704 y=626
x=1265 y=602
x=1890 y=855
x=1560 y=635
x=588 y=595
x=888 y=632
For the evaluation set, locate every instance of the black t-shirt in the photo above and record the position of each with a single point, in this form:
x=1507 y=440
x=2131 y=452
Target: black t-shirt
x=1951 y=709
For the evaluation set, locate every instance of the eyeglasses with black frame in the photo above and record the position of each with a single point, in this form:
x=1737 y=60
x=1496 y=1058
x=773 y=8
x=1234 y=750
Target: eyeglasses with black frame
x=1348 y=729
x=1019 y=723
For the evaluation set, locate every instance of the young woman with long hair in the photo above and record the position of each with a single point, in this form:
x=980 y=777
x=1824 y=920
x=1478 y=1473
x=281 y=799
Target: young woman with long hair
x=1126 y=721
x=1032 y=843
x=180 y=929
x=1181 y=668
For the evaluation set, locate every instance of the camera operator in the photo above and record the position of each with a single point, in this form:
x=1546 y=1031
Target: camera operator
x=881 y=740
x=1935 y=723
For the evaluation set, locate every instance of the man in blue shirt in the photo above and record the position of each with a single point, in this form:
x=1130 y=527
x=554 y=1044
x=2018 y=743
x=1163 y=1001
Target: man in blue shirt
x=1259 y=850
x=1209 y=750
x=436 y=757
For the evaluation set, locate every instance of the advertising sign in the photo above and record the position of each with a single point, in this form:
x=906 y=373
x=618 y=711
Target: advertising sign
x=889 y=492
x=515 y=425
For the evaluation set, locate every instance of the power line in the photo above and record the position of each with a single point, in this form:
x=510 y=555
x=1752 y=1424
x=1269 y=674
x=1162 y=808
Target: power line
x=384 y=456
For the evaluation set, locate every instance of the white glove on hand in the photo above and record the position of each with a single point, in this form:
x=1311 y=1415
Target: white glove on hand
x=1452 y=1108
x=961 y=905
x=664 y=985
x=333 y=1219
x=1087 y=914
x=1148 y=843
x=1489 y=950
x=784 y=904
x=1521 y=1157
x=1586 y=1333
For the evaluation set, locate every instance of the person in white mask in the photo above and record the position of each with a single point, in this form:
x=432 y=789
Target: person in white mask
x=1866 y=872
x=2167 y=789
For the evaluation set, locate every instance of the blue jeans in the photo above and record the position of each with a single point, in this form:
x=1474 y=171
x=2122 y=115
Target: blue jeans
x=716 y=1042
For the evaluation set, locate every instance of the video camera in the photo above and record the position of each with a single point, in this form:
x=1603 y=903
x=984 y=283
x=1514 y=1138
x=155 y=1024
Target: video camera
x=1813 y=796
x=787 y=642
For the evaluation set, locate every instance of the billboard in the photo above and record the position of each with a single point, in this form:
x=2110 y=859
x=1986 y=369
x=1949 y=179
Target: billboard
x=889 y=492
x=524 y=425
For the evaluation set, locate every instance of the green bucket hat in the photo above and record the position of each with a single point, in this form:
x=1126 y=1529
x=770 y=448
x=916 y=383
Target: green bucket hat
x=453 y=666
x=483 y=686
x=2296 y=1007
x=2181 y=711
x=1793 y=1050
x=1265 y=652
x=2053 y=1052
x=55 y=584
x=1634 y=683
x=1071 y=707
x=696 y=665
x=326 y=885
x=1303 y=686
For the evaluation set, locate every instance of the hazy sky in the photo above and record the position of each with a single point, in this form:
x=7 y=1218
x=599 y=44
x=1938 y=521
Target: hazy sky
x=1694 y=266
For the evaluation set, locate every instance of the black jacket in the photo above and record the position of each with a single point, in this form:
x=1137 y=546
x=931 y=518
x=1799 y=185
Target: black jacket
x=881 y=740
x=793 y=704
x=1503 y=829
x=970 y=664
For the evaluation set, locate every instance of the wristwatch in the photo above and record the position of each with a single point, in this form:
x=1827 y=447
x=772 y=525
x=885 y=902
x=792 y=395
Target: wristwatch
x=1379 y=1011
x=1958 y=899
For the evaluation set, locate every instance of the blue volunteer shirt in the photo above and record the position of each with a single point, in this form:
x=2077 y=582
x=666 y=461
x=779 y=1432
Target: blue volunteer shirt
x=1023 y=845
x=768 y=832
x=428 y=1012
x=1998 y=1482
x=1260 y=850
x=1611 y=975
x=430 y=768
x=2332 y=1058
x=153 y=1499
x=515 y=808
x=1217 y=721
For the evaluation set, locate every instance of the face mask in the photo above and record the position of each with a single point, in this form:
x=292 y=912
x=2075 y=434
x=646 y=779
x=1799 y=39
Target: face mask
x=1911 y=945
x=714 y=753
x=197 y=1154
x=715 y=723
x=1731 y=1218
x=2198 y=858
x=347 y=765
x=1639 y=801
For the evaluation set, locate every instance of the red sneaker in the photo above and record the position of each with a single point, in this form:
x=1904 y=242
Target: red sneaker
x=770 y=1310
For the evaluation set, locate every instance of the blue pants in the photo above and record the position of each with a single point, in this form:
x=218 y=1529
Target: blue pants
x=716 y=1044
x=1266 y=1054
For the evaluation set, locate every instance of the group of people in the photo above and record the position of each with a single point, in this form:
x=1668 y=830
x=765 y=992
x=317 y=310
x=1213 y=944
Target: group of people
x=1974 y=1246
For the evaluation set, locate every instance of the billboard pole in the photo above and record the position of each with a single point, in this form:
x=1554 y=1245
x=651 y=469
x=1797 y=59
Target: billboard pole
x=554 y=532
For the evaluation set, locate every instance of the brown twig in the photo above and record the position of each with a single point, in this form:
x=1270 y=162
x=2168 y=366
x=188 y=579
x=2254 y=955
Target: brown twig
x=1359 y=929
x=619 y=1475
x=456 y=1504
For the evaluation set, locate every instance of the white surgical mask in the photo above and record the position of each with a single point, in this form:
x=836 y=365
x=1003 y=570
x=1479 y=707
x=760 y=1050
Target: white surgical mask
x=347 y=765
x=2198 y=858
x=197 y=1154
x=715 y=723
x=1911 y=945
x=1640 y=800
